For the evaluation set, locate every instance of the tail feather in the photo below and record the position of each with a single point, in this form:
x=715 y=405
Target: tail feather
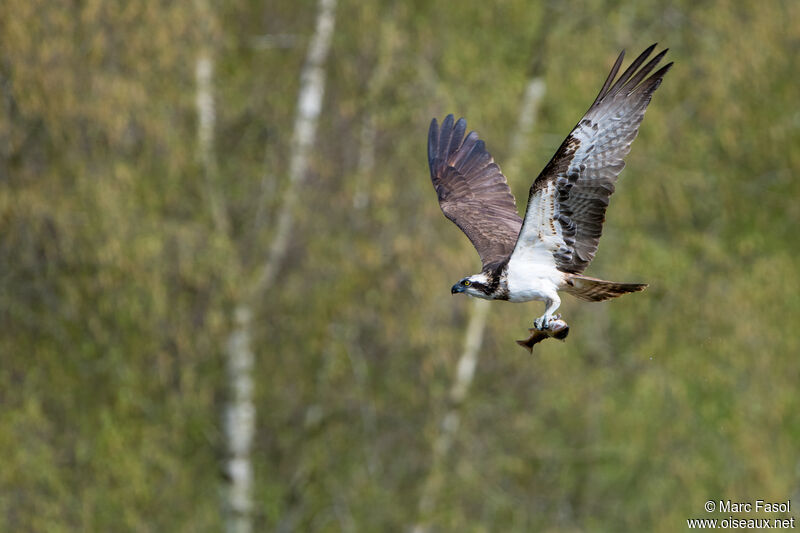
x=598 y=290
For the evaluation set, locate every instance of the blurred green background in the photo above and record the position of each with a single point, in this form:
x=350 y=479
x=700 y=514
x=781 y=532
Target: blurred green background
x=122 y=258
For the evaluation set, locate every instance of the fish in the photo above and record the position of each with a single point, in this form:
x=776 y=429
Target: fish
x=557 y=329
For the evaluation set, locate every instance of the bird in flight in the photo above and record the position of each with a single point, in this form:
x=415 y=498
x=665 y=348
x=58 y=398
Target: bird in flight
x=535 y=257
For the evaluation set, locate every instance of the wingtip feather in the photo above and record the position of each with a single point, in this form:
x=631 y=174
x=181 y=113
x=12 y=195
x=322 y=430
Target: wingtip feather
x=632 y=77
x=433 y=138
x=459 y=129
x=610 y=78
x=637 y=78
x=631 y=70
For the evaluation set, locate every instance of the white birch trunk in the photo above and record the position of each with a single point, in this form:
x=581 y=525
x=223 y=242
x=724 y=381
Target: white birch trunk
x=473 y=337
x=206 y=119
x=204 y=102
x=206 y=116
x=309 y=105
x=239 y=424
x=239 y=413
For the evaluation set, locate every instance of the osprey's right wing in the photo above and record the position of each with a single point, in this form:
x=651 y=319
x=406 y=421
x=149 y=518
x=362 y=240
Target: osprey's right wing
x=567 y=202
x=472 y=191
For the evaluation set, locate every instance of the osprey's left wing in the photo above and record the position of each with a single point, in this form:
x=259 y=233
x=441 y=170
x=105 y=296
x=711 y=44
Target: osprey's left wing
x=567 y=202
x=472 y=191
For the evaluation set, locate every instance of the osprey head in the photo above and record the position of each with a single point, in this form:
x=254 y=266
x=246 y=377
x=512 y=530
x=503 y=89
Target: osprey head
x=477 y=285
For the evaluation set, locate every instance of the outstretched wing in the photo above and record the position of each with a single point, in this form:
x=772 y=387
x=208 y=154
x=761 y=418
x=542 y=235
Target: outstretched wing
x=567 y=202
x=472 y=191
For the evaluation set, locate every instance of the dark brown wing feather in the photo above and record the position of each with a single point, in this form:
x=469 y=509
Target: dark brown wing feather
x=576 y=184
x=472 y=191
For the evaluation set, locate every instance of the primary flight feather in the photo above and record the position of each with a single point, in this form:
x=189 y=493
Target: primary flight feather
x=535 y=257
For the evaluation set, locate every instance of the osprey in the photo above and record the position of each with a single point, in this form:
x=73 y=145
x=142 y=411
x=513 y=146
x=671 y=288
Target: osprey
x=546 y=252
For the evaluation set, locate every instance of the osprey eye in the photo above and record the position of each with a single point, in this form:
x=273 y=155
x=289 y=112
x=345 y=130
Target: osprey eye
x=467 y=283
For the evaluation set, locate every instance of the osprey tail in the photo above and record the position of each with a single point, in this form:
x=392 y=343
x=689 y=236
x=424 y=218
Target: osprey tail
x=598 y=290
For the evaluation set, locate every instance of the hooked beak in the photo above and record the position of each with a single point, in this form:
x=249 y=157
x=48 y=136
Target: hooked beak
x=456 y=288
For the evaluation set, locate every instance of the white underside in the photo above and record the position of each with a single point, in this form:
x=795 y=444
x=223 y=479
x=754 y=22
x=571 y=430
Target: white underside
x=532 y=275
x=528 y=280
x=532 y=272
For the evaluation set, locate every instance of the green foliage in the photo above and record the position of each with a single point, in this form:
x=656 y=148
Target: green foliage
x=117 y=287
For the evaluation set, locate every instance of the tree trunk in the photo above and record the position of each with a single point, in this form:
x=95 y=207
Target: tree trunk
x=240 y=413
x=239 y=424
x=309 y=105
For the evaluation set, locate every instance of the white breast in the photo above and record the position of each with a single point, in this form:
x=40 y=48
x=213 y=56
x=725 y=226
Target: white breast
x=532 y=274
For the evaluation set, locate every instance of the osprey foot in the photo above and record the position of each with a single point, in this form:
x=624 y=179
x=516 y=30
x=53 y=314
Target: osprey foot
x=544 y=322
